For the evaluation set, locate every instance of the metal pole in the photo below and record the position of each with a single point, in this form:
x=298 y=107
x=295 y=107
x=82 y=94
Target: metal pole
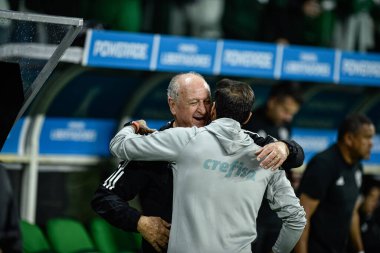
x=48 y=68
x=30 y=175
x=15 y=15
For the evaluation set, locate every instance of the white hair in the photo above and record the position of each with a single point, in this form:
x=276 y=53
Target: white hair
x=174 y=84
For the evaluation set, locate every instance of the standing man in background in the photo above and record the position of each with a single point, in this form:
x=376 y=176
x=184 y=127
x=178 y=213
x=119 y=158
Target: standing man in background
x=189 y=100
x=273 y=119
x=329 y=190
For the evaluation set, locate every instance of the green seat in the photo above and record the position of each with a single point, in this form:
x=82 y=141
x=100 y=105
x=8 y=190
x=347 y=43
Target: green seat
x=109 y=239
x=68 y=236
x=33 y=239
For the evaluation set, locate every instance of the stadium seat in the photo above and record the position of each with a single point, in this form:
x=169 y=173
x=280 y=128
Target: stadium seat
x=68 y=236
x=33 y=239
x=109 y=239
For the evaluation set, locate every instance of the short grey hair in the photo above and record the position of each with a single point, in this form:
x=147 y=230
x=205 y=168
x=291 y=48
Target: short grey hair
x=174 y=84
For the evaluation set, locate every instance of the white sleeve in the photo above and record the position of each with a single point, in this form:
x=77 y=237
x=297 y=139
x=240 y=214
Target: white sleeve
x=285 y=203
x=159 y=146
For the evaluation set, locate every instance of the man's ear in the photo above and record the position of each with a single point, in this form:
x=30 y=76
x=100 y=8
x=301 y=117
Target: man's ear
x=213 y=111
x=249 y=116
x=348 y=139
x=171 y=104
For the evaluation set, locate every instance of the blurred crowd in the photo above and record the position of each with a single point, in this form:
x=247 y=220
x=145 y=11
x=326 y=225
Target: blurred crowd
x=345 y=24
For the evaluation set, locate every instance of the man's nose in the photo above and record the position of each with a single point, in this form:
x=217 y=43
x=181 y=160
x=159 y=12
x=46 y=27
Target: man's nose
x=201 y=108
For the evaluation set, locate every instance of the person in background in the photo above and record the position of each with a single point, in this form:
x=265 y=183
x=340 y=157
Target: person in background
x=369 y=215
x=198 y=18
x=260 y=20
x=218 y=183
x=10 y=237
x=189 y=100
x=273 y=119
x=329 y=189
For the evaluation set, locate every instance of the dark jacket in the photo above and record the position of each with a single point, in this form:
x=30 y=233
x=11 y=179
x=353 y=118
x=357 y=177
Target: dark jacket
x=10 y=238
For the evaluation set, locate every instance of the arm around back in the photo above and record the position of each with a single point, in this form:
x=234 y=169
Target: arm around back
x=295 y=157
x=159 y=146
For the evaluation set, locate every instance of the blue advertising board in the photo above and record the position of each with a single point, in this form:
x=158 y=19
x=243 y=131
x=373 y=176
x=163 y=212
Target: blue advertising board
x=228 y=57
x=184 y=54
x=14 y=142
x=316 y=140
x=248 y=59
x=360 y=68
x=118 y=50
x=156 y=124
x=308 y=64
x=66 y=136
x=313 y=140
x=375 y=152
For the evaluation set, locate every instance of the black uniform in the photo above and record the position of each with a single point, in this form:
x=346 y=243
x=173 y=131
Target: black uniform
x=153 y=182
x=336 y=185
x=268 y=224
x=261 y=124
x=370 y=231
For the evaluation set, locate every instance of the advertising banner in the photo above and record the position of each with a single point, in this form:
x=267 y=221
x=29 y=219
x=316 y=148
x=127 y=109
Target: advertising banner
x=248 y=59
x=14 y=142
x=118 y=50
x=80 y=137
x=308 y=64
x=181 y=54
x=360 y=69
x=229 y=57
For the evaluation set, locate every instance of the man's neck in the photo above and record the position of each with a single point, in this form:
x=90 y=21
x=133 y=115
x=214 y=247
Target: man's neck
x=346 y=154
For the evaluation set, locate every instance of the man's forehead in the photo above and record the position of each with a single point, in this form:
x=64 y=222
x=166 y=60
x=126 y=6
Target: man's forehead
x=191 y=85
x=194 y=81
x=195 y=93
x=365 y=130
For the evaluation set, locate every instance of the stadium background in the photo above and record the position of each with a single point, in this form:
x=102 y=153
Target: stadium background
x=65 y=131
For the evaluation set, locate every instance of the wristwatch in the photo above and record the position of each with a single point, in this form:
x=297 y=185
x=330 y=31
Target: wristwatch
x=135 y=124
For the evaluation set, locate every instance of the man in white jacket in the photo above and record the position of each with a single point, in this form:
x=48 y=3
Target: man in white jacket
x=218 y=183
